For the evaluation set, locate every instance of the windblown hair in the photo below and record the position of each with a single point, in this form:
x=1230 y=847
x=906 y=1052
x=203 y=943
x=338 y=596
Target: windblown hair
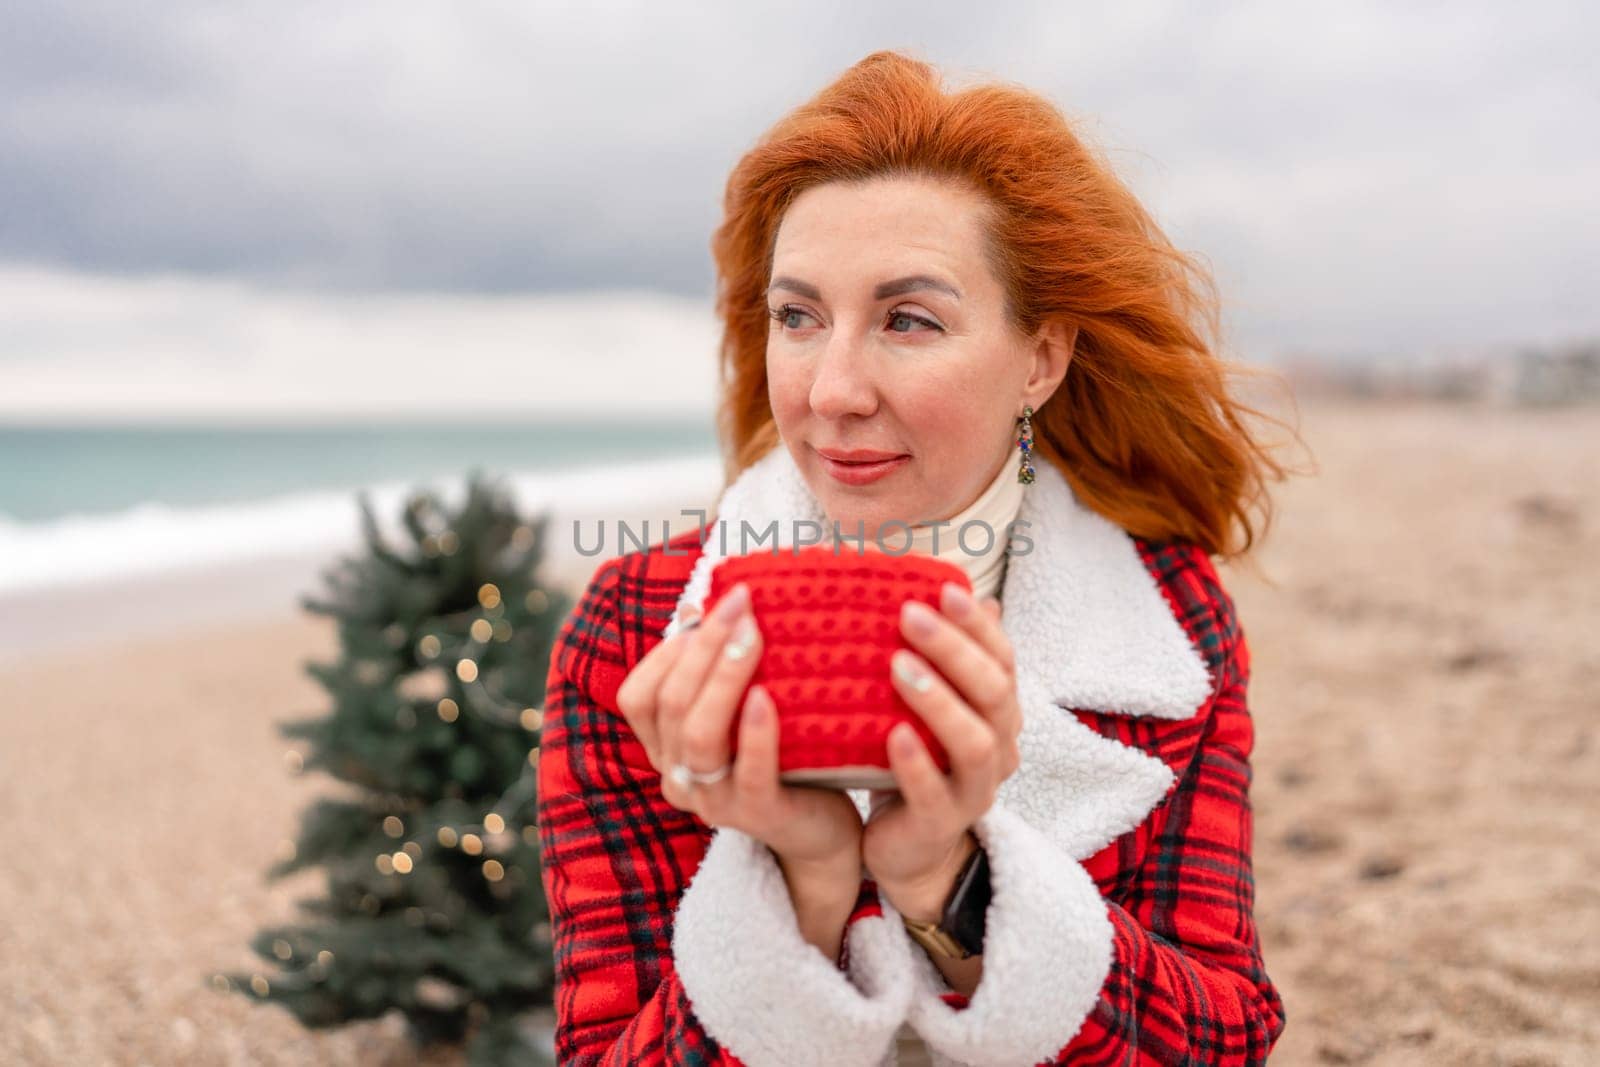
x=1143 y=426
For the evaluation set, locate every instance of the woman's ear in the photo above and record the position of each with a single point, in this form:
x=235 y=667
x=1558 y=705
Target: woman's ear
x=1053 y=347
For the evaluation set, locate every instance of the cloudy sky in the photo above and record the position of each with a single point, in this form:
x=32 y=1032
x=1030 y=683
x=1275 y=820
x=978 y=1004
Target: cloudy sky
x=287 y=206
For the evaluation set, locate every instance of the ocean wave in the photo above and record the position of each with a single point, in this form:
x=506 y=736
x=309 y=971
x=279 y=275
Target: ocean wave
x=152 y=538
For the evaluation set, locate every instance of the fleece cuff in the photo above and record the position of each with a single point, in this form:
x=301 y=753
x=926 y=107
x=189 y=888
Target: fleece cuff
x=761 y=990
x=1048 y=947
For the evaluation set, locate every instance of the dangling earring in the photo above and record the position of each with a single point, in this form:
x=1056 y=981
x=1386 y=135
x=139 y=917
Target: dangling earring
x=1025 y=443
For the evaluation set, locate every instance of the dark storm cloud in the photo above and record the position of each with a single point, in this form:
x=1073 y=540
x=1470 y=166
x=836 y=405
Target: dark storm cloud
x=1320 y=157
x=482 y=151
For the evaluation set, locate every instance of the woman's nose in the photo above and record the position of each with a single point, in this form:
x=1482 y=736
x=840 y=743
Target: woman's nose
x=842 y=384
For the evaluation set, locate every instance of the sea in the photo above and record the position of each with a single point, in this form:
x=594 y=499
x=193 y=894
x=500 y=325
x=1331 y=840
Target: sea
x=82 y=503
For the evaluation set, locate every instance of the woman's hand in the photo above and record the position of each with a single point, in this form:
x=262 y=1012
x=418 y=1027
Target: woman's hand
x=964 y=686
x=680 y=700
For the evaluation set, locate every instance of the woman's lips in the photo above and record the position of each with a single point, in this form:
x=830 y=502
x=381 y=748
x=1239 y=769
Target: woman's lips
x=861 y=473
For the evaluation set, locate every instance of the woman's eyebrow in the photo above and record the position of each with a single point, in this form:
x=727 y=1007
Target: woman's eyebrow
x=884 y=290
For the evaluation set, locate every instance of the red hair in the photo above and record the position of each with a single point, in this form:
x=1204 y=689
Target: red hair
x=1143 y=426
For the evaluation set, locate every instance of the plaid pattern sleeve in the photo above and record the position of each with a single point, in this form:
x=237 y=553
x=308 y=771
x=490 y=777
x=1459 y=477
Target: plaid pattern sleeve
x=1155 y=934
x=676 y=943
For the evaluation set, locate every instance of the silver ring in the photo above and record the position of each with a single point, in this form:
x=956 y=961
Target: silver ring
x=682 y=775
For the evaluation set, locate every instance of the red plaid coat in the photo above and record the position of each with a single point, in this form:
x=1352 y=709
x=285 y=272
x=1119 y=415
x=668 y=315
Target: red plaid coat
x=1121 y=929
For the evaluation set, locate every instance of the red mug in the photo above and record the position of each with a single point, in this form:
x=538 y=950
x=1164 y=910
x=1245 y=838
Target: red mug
x=830 y=621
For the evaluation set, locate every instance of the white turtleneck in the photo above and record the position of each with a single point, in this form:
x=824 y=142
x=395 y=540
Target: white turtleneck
x=981 y=552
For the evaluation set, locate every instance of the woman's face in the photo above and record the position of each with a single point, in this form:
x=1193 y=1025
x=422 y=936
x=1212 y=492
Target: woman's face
x=889 y=339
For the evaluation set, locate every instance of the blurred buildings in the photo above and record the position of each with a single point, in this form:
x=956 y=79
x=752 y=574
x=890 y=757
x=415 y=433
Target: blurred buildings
x=1531 y=375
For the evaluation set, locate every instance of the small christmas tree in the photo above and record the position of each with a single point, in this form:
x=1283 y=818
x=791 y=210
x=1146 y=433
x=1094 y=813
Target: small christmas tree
x=434 y=902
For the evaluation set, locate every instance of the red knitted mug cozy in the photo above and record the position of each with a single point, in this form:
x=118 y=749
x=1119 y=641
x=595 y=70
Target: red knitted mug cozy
x=829 y=621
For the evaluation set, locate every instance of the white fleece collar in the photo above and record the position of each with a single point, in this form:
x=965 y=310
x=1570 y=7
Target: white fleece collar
x=1090 y=627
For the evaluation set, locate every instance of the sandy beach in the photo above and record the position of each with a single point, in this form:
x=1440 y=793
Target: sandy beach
x=1426 y=693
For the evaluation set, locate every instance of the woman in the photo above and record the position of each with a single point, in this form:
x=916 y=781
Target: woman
x=917 y=287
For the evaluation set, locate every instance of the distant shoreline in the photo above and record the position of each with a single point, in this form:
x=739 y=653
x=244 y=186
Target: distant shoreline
x=257 y=578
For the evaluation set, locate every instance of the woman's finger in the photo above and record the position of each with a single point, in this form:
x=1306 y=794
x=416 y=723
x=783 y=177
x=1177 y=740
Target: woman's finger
x=744 y=797
x=969 y=740
x=681 y=795
x=755 y=769
x=928 y=796
x=682 y=686
x=982 y=624
x=637 y=696
x=703 y=741
x=960 y=657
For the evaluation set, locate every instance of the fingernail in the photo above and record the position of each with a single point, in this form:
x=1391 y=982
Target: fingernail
x=732 y=604
x=757 y=709
x=910 y=672
x=919 y=618
x=957 y=601
x=744 y=638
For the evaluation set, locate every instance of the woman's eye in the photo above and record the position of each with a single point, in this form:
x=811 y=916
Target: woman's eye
x=782 y=314
x=896 y=315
